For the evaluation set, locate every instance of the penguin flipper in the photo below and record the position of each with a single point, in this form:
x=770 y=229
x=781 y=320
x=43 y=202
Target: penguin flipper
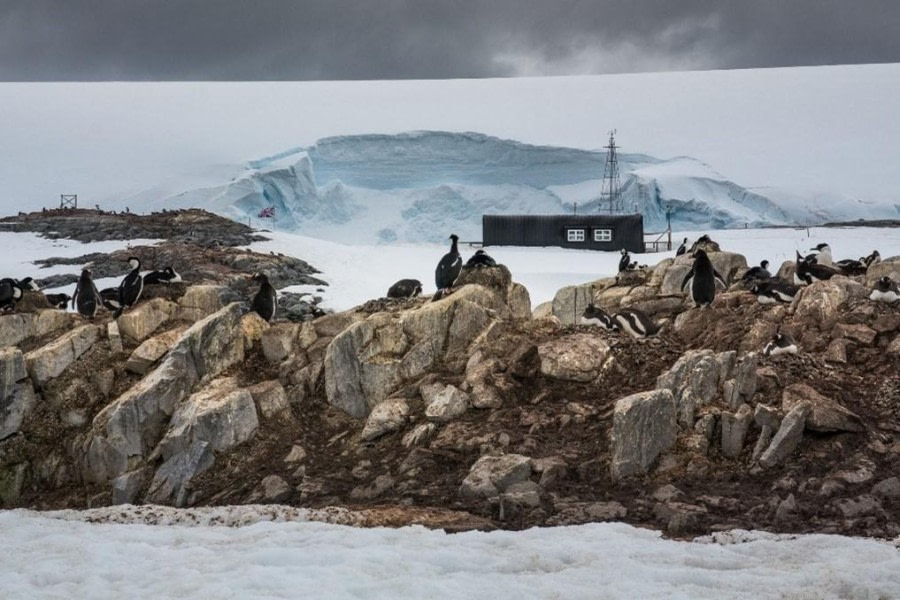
x=686 y=279
x=721 y=279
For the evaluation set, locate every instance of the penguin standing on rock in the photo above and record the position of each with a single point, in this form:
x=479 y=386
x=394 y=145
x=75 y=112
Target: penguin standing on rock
x=265 y=300
x=448 y=270
x=683 y=248
x=702 y=280
x=624 y=261
x=886 y=290
x=782 y=343
x=635 y=323
x=10 y=293
x=131 y=287
x=86 y=299
x=405 y=288
x=480 y=259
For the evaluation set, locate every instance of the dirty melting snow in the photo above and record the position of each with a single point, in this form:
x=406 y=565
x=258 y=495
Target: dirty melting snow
x=280 y=552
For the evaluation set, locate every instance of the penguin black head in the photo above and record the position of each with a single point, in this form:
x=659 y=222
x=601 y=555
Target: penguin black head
x=704 y=239
x=623 y=251
x=454 y=237
x=764 y=264
x=884 y=284
x=821 y=247
x=701 y=254
x=260 y=277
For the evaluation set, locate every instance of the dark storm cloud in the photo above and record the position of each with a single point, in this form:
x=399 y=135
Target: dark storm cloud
x=402 y=39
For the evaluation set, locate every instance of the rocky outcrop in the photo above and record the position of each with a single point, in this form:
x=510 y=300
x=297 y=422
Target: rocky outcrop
x=139 y=322
x=152 y=350
x=643 y=428
x=787 y=438
x=492 y=475
x=17 y=397
x=825 y=415
x=126 y=430
x=19 y=327
x=386 y=417
x=46 y=363
x=579 y=357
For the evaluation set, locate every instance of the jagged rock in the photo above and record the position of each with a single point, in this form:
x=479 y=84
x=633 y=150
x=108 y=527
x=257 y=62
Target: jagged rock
x=544 y=309
x=519 y=301
x=694 y=381
x=388 y=416
x=578 y=357
x=114 y=336
x=837 y=351
x=570 y=301
x=143 y=319
x=12 y=480
x=48 y=362
x=278 y=341
x=887 y=488
x=252 y=327
x=444 y=403
x=296 y=455
x=221 y=415
x=307 y=335
x=519 y=497
x=667 y=493
x=825 y=415
x=272 y=490
x=172 y=479
x=492 y=475
x=12 y=370
x=861 y=506
x=18 y=327
x=787 y=509
x=419 y=435
x=644 y=426
x=765 y=416
x=126 y=487
x=821 y=301
x=381 y=485
x=734 y=430
x=680 y=517
x=200 y=301
x=126 y=429
x=742 y=387
x=331 y=325
x=15 y=406
x=151 y=350
x=857 y=332
x=577 y=513
x=271 y=399
x=787 y=438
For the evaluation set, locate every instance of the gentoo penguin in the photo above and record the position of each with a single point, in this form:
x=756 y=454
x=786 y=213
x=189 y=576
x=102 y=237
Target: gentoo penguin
x=871 y=259
x=886 y=290
x=596 y=316
x=635 y=323
x=807 y=273
x=405 y=288
x=480 y=259
x=167 y=275
x=86 y=298
x=131 y=287
x=448 y=269
x=10 y=293
x=682 y=248
x=772 y=292
x=704 y=239
x=624 y=261
x=849 y=266
x=109 y=297
x=822 y=255
x=782 y=343
x=59 y=301
x=28 y=285
x=760 y=272
x=265 y=300
x=702 y=280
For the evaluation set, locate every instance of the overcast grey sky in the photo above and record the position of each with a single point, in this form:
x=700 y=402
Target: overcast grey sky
x=91 y=40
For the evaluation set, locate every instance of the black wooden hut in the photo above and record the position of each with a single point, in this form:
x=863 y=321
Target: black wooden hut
x=591 y=232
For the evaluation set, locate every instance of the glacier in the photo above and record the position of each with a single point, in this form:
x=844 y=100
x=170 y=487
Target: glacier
x=420 y=186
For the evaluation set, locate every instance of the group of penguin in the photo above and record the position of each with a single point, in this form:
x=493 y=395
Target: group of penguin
x=700 y=284
x=87 y=300
x=445 y=274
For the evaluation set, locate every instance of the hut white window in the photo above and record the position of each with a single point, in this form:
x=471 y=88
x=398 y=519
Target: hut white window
x=575 y=235
x=603 y=235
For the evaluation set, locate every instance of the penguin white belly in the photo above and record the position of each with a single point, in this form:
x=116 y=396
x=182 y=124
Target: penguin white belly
x=595 y=322
x=763 y=299
x=888 y=296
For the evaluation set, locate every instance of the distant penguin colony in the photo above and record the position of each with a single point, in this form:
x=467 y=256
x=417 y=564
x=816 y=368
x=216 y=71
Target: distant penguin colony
x=86 y=299
x=131 y=287
x=886 y=290
x=701 y=280
x=167 y=275
x=266 y=299
x=480 y=259
x=405 y=288
x=782 y=343
x=448 y=269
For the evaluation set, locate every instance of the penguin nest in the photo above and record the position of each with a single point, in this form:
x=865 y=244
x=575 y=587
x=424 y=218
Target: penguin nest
x=497 y=277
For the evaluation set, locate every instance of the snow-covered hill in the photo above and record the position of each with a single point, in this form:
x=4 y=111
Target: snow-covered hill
x=417 y=187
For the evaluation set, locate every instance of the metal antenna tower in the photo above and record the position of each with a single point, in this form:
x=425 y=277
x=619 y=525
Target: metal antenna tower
x=610 y=190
